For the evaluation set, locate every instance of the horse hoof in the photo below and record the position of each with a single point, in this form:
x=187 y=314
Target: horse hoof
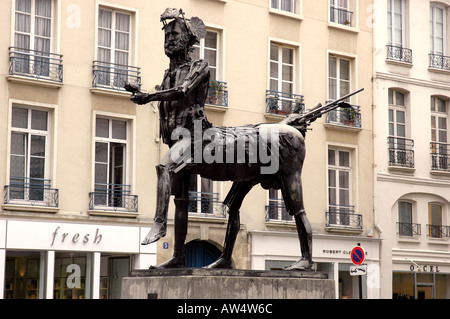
x=301 y=265
x=220 y=263
x=156 y=232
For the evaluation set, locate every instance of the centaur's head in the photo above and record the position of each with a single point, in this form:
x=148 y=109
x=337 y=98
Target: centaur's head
x=181 y=33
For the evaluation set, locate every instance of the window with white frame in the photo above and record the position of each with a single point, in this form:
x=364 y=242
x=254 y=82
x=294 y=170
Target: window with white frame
x=204 y=197
x=438 y=26
x=396 y=23
x=276 y=210
x=282 y=68
x=405 y=219
x=31 y=53
x=439 y=134
x=397 y=113
x=114 y=49
x=339 y=76
x=435 y=225
x=285 y=5
x=209 y=50
x=341 y=12
x=111 y=163
x=30 y=156
x=339 y=178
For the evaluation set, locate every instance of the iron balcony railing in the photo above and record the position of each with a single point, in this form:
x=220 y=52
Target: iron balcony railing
x=438 y=231
x=217 y=94
x=408 y=229
x=401 y=153
x=31 y=191
x=400 y=54
x=343 y=216
x=114 y=76
x=206 y=204
x=113 y=197
x=284 y=103
x=341 y=16
x=345 y=116
x=440 y=156
x=438 y=61
x=35 y=64
x=276 y=211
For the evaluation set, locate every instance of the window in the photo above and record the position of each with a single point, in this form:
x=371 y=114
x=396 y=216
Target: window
x=73 y=273
x=396 y=19
x=31 y=53
x=111 y=166
x=203 y=197
x=339 y=178
x=281 y=68
x=285 y=5
x=276 y=210
x=439 y=134
x=114 y=56
x=400 y=148
x=406 y=227
x=340 y=12
x=208 y=49
x=435 y=228
x=339 y=75
x=29 y=158
x=437 y=29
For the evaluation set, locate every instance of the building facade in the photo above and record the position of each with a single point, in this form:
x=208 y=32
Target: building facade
x=79 y=157
x=411 y=95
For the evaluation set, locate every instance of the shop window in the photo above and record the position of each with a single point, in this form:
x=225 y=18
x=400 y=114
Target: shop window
x=71 y=276
x=23 y=275
x=348 y=285
x=112 y=270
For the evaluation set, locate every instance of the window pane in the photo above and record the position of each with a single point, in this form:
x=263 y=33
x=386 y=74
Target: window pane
x=273 y=52
x=211 y=40
x=37 y=167
x=344 y=197
x=104 y=19
x=39 y=120
x=344 y=159
x=122 y=22
x=23 y=6
x=399 y=98
x=37 y=145
x=405 y=212
x=400 y=116
x=287 y=73
x=274 y=70
x=331 y=178
x=211 y=57
x=332 y=67
x=119 y=130
x=44 y=8
x=17 y=166
x=101 y=152
x=344 y=71
x=288 y=55
x=122 y=41
x=23 y=23
x=101 y=173
x=102 y=127
x=104 y=38
x=18 y=144
x=442 y=123
x=331 y=157
x=19 y=117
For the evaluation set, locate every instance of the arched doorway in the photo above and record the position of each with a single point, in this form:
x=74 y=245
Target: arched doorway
x=201 y=253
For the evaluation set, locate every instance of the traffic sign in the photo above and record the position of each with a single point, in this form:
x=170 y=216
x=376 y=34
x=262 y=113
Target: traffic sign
x=357 y=255
x=358 y=270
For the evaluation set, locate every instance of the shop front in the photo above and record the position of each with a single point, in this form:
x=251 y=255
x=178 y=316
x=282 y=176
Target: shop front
x=419 y=278
x=60 y=260
x=331 y=254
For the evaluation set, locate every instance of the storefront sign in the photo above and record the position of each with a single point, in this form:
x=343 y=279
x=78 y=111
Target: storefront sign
x=424 y=268
x=75 y=238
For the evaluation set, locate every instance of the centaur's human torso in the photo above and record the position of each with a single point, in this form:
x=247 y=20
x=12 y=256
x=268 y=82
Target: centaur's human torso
x=182 y=112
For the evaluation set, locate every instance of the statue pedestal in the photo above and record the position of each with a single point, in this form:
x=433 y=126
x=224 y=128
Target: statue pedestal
x=199 y=283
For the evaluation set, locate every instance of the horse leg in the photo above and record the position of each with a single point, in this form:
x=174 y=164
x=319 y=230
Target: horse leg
x=239 y=190
x=291 y=187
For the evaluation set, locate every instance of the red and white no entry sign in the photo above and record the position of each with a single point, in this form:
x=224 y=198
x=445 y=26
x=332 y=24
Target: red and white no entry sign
x=357 y=255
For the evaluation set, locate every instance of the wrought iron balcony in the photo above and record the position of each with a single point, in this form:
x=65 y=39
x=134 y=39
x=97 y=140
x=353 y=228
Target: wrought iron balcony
x=284 y=103
x=114 y=76
x=217 y=94
x=341 y=16
x=276 y=211
x=395 y=53
x=206 y=204
x=408 y=229
x=438 y=61
x=32 y=192
x=438 y=231
x=35 y=64
x=401 y=153
x=440 y=157
x=341 y=216
x=113 y=197
x=345 y=116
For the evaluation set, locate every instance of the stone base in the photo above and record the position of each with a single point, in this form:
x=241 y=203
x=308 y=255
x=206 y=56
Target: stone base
x=199 y=283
